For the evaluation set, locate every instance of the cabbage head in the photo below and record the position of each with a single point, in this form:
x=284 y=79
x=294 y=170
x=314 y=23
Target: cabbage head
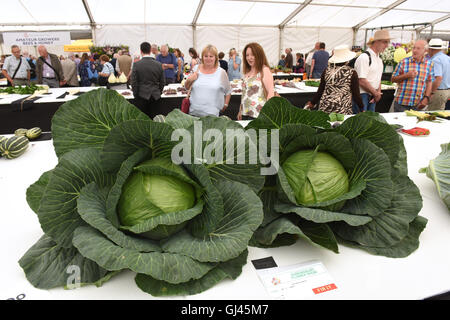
x=326 y=179
x=345 y=185
x=116 y=201
x=145 y=195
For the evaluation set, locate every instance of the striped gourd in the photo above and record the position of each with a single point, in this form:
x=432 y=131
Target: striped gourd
x=1 y=140
x=33 y=133
x=14 y=146
x=20 y=132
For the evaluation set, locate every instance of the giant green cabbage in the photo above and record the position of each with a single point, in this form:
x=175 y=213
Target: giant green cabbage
x=346 y=185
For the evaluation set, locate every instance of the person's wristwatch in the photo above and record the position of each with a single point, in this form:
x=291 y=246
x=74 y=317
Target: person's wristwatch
x=428 y=98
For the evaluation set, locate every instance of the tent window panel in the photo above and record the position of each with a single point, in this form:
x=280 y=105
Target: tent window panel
x=323 y=16
x=56 y=11
x=171 y=11
x=224 y=12
x=399 y=17
x=437 y=5
x=368 y=3
x=117 y=11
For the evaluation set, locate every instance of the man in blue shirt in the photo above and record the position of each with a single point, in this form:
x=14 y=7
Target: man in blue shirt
x=168 y=62
x=319 y=62
x=440 y=90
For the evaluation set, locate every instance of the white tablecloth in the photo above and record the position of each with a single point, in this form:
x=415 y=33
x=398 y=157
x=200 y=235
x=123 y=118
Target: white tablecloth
x=54 y=93
x=357 y=274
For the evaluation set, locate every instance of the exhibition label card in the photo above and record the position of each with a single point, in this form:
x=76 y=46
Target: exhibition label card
x=309 y=280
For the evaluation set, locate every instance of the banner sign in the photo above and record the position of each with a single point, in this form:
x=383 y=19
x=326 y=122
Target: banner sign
x=36 y=38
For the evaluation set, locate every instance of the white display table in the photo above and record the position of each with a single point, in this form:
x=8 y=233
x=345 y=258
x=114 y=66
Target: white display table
x=357 y=274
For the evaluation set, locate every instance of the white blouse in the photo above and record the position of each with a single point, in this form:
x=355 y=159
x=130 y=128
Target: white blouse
x=208 y=93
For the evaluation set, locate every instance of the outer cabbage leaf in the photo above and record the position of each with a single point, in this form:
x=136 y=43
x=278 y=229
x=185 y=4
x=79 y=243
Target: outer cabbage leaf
x=225 y=150
x=439 y=171
x=173 y=268
x=36 y=191
x=47 y=265
x=278 y=112
x=368 y=128
x=391 y=227
x=180 y=120
x=403 y=248
x=58 y=212
x=129 y=136
x=230 y=269
x=85 y=122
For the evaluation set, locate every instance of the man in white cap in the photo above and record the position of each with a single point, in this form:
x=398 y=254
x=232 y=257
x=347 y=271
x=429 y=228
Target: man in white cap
x=369 y=67
x=440 y=90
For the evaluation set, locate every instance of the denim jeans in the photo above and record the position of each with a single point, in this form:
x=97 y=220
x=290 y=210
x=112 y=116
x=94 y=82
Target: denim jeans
x=365 y=97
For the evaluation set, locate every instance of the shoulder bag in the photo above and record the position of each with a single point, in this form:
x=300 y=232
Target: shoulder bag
x=186 y=103
x=91 y=74
x=56 y=73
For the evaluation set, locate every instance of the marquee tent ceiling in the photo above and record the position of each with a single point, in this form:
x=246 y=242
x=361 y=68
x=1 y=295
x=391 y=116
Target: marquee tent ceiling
x=358 y=14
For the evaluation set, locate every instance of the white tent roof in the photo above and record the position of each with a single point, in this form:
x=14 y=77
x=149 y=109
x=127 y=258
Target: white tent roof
x=362 y=14
x=275 y=24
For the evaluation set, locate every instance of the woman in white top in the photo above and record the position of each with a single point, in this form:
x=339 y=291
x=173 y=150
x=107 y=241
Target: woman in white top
x=209 y=86
x=257 y=83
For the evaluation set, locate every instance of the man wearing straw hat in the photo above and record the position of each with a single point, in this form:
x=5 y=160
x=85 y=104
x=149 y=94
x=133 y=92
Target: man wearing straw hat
x=440 y=90
x=369 y=67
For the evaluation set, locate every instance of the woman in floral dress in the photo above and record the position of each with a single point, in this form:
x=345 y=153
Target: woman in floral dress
x=257 y=82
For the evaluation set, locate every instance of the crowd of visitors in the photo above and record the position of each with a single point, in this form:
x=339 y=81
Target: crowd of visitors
x=349 y=82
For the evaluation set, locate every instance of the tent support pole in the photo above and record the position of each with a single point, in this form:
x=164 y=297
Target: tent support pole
x=194 y=37
x=91 y=21
x=381 y=12
x=365 y=39
x=355 y=31
x=280 y=41
x=194 y=23
x=94 y=36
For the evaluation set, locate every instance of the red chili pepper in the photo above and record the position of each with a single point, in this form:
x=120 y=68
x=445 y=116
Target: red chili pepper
x=417 y=131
